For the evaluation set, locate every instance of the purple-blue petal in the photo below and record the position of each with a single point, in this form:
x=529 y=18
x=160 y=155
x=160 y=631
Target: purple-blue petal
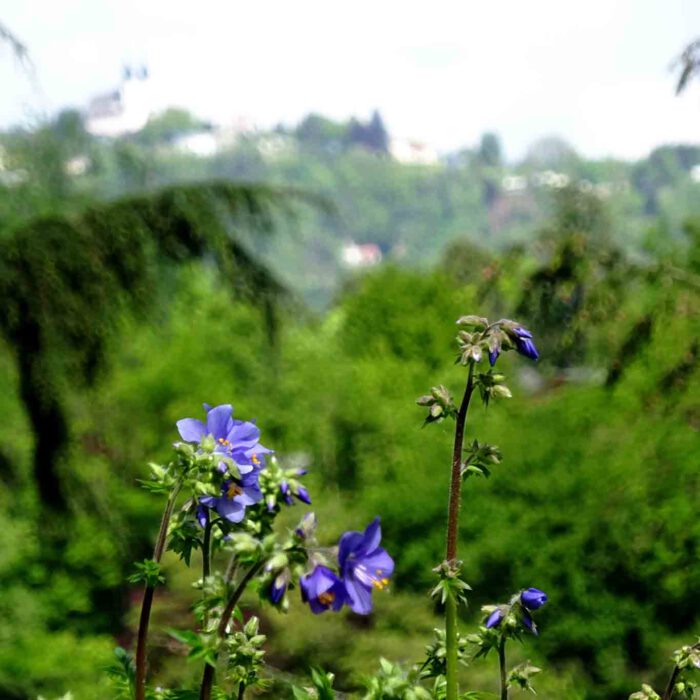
x=349 y=542
x=243 y=434
x=359 y=596
x=278 y=589
x=372 y=536
x=493 y=356
x=230 y=510
x=191 y=429
x=303 y=495
x=529 y=623
x=379 y=564
x=202 y=515
x=494 y=619
x=218 y=420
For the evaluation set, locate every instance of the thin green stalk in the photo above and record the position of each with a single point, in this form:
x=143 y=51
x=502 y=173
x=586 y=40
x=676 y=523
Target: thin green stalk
x=147 y=604
x=453 y=534
x=210 y=671
x=502 y=665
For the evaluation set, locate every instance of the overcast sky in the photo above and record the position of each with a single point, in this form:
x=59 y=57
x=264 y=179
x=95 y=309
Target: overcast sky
x=595 y=72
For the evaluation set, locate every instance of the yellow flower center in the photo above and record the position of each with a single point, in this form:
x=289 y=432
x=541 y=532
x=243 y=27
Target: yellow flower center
x=254 y=459
x=233 y=490
x=224 y=442
x=380 y=584
x=326 y=598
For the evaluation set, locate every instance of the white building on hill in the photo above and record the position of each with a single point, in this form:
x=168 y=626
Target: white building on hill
x=125 y=109
x=413 y=152
x=363 y=255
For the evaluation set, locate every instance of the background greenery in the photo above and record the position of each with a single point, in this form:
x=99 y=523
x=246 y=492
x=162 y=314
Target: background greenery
x=144 y=307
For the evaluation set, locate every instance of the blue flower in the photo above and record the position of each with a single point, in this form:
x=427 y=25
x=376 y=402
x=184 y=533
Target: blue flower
x=236 y=439
x=236 y=495
x=533 y=598
x=286 y=493
x=529 y=622
x=278 y=587
x=300 y=492
x=322 y=590
x=524 y=344
x=493 y=356
x=495 y=618
x=364 y=565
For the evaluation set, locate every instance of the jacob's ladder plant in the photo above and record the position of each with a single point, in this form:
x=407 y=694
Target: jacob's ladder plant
x=480 y=343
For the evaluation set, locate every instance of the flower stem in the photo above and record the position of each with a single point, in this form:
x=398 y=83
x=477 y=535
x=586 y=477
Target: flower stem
x=210 y=671
x=452 y=535
x=206 y=550
x=668 y=693
x=502 y=665
x=140 y=682
x=241 y=690
x=206 y=566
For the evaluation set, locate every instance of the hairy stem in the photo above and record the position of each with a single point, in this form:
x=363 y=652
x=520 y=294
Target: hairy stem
x=210 y=671
x=452 y=535
x=502 y=665
x=147 y=604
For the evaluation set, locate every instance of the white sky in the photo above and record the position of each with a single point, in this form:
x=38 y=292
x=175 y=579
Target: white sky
x=594 y=72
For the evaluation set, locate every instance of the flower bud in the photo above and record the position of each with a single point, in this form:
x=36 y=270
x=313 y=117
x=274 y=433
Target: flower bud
x=533 y=598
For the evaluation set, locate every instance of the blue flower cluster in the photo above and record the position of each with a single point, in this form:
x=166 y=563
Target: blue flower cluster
x=528 y=600
x=363 y=567
x=238 y=441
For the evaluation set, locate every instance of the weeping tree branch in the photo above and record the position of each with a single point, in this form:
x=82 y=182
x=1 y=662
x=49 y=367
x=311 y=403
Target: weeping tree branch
x=66 y=279
x=19 y=49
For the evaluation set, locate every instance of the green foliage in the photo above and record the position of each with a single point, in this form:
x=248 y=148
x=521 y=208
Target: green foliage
x=148 y=573
x=322 y=687
x=163 y=127
x=61 y=309
x=394 y=683
x=122 y=674
x=520 y=677
x=595 y=502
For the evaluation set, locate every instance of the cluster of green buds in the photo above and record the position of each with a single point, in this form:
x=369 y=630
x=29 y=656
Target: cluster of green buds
x=450 y=585
x=280 y=484
x=520 y=676
x=440 y=404
x=479 y=459
x=492 y=386
x=392 y=682
x=435 y=664
x=190 y=467
x=245 y=654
